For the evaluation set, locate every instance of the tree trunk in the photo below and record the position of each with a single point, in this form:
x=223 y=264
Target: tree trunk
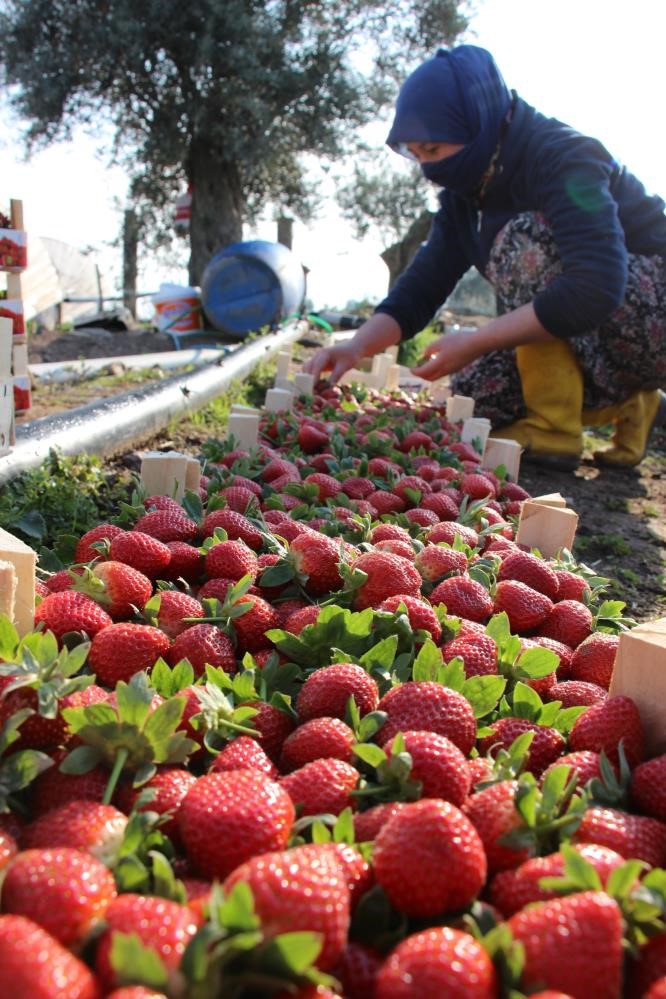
x=217 y=208
x=399 y=255
x=130 y=250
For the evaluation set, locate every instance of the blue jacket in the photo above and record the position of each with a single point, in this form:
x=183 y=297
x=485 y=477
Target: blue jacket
x=596 y=209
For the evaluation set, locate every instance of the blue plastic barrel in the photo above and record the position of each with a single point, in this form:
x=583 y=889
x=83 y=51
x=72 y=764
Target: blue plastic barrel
x=252 y=284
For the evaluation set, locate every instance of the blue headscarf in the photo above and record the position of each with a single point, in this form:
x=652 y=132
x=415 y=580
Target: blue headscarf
x=459 y=96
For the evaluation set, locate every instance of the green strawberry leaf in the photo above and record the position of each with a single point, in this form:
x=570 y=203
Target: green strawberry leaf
x=81 y=760
x=484 y=693
x=526 y=702
x=428 y=663
x=135 y=964
x=293 y=953
x=534 y=664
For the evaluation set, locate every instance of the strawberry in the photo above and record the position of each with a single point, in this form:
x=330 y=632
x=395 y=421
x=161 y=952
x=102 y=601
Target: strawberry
x=357 y=487
x=383 y=503
x=413 y=484
x=272 y=726
x=569 y=622
x=327 y=486
x=34 y=965
x=437 y=764
x=387 y=575
x=533 y=571
x=70 y=611
x=429 y=859
x=226 y=818
x=648 y=787
x=83 y=825
x=435 y=561
x=591 y=924
x=367 y=824
x=463 y=597
x=74 y=892
x=478 y=653
x=448 y=531
x=444 y=506
x=632 y=836
x=124 y=589
x=135 y=992
x=526 y=608
x=170 y=785
x=231 y=560
x=202 y=644
x=302 y=618
x=217 y=589
x=326 y=692
x=647 y=968
x=545 y=747
x=315 y=559
x=424 y=518
x=565 y=652
x=37 y=732
x=277 y=467
x=174 y=608
x=357 y=969
x=84 y=551
x=585 y=764
x=162 y=503
x=251 y=626
x=571 y=586
x=510 y=891
x=240 y=499
x=594 y=659
x=605 y=725
x=55 y=788
x=123 y=649
x=493 y=813
x=394 y=547
x=141 y=551
x=310 y=439
x=428 y=706
x=160 y=925
x=64 y=579
x=237 y=526
x=477 y=486
x=420 y=613
x=317 y=739
x=416 y=439
x=168 y=525
x=440 y=961
x=244 y=753
x=296 y=890
x=186 y=563
x=574 y=693
x=322 y=786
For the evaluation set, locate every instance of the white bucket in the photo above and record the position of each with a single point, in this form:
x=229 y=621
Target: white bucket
x=177 y=308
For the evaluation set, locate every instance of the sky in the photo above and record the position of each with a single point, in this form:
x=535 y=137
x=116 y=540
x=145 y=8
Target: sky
x=596 y=64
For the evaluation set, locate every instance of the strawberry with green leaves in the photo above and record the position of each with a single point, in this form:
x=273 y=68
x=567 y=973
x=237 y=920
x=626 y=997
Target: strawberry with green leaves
x=202 y=645
x=440 y=961
x=547 y=743
x=93 y=543
x=82 y=825
x=117 y=587
x=324 y=786
x=421 y=615
x=69 y=611
x=326 y=692
x=172 y=611
x=464 y=597
x=633 y=836
x=229 y=559
x=430 y=706
x=141 y=551
x=169 y=785
x=34 y=965
x=168 y=525
x=386 y=575
x=604 y=726
x=530 y=570
x=317 y=739
x=244 y=753
x=125 y=648
x=418 y=764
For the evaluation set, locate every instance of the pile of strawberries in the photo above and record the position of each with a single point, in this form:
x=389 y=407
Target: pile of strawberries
x=324 y=729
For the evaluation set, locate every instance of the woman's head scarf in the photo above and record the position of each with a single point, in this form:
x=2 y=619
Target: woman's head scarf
x=459 y=97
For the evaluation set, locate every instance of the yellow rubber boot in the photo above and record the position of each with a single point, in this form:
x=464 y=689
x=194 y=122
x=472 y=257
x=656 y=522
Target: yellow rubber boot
x=552 y=383
x=633 y=420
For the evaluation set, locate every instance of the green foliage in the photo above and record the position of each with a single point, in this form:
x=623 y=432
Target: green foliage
x=411 y=351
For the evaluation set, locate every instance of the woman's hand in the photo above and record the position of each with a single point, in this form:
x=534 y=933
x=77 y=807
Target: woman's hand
x=375 y=335
x=337 y=360
x=448 y=354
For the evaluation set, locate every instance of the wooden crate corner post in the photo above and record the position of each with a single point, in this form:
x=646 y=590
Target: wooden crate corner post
x=164 y=473
x=244 y=428
x=503 y=451
x=459 y=407
x=548 y=528
x=17 y=586
x=278 y=401
x=640 y=673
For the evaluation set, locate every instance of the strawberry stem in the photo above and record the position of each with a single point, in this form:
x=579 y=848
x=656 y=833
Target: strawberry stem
x=118 y=765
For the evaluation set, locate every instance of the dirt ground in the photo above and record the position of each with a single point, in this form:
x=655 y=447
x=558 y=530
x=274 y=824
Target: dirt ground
x=622 y=527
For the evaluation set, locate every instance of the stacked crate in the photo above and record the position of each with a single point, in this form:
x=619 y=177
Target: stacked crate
x=14 y=378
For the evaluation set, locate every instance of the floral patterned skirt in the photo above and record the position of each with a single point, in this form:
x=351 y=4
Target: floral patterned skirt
x=625 y=354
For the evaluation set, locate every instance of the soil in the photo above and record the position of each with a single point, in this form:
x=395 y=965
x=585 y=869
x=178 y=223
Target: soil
x=622 y=526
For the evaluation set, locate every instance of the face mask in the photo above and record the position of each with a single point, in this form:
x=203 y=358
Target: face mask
x=460 y=173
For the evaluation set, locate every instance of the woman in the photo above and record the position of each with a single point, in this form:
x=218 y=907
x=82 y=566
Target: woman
x=572 y=244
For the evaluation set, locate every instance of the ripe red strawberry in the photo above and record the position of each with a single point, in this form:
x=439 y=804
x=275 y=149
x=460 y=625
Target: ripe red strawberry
x=317 y=739
x=463 y=597
x=168 y=525
x=217 y=589
x=34 y=965
x=54 y=788
x=591 y=923
x=37 y=732
x=326 y=692
x=240 y=499
x=174 y=608
x=322 y=786
x=594 y=659
x=123 y=649
x=575 y=693
x=310 y=439
x=648 y=787
x=226 y=818
x=71 y=611
x=302 y=618
x=428 y=706
x=276 y=467
x=186 y=563
x=231 y=560
x=202 y=644
x=494 y=815
x=477 y=486
x=161 y=925
x=237 y=526
x=647 y=969
x=440 y=961
x=526 y=608
x=444 y=506
x=387 y=575
x=478 y=653
x=272 y=726
x=244 y=753
x=438 y=765
x=632 y=836
x=327 y=486
x=448 y=531
x=420 y=613
x=585 y=764
x=429 y=859
x=435 y=561
x=357 y=487
x=298 y=889
x=357 y=969
x=604 y=725
x=416 y=439
x=394 y=547
x=383 y=502
x=83 y=825
x=367 y=824
x=424 y=518
x=532 y=571
x=125 y=589
x=84 y=551
x=413 y=484
x=315 y=559
x=511 y=891
x=571 y=586
x=64 y=579
x=141 y=551
x=250 y=627
x=74 y=891
x=170 y=785
x=547 y=743
x=569 y=621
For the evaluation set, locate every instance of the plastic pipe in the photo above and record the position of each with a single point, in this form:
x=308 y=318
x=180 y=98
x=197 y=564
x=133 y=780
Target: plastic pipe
x=70 y=371
x=103 y=427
